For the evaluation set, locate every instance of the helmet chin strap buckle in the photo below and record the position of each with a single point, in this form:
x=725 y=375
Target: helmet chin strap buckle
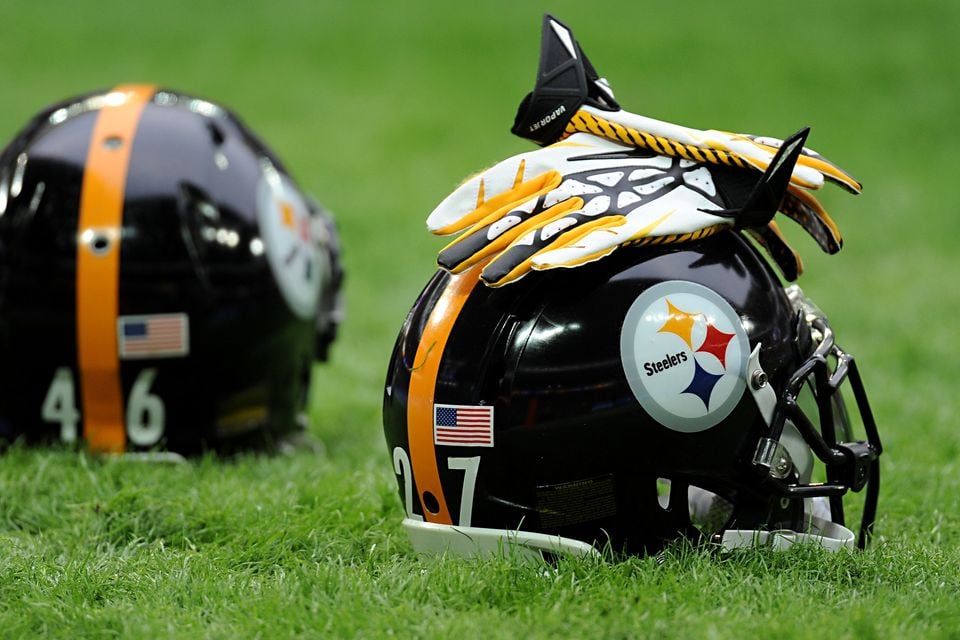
x=760 y=387
x=788 y=452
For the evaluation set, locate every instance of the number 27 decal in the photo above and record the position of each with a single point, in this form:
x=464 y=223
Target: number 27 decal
x=469 y=466
x=146 y=414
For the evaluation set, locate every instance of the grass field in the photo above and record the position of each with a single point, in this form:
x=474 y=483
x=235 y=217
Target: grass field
x=380 y=108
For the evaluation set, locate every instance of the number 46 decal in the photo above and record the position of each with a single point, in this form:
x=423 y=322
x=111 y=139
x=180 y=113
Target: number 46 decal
x=145 y=411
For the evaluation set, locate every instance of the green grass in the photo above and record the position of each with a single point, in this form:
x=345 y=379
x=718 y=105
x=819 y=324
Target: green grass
x=380 y=108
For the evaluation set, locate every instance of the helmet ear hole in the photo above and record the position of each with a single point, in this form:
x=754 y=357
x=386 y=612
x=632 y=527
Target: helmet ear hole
x=663 y=492
x=216 y=133
x=709 y=512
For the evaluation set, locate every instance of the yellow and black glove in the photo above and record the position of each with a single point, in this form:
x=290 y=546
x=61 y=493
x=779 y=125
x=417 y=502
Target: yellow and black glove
x=610 y=178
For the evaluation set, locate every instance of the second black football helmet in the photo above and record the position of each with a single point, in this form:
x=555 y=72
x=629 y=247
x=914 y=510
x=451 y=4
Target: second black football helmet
x=164 y=282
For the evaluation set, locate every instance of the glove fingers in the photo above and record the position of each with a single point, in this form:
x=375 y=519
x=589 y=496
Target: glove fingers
x=496 y=232
x=504 y=186
x=775 y=244
x=487 y=198
x=556 y=229
x=812 y=159
x=591 y=244
x=518 y=259
x=803 y=208
x=760 y=156
x=680 y=215
x=830 y=171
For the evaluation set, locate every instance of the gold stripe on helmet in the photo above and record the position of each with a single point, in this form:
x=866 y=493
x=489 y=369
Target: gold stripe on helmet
x=98 y=265
x=423 y=383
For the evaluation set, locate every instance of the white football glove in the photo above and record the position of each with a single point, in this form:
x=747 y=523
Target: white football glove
x=576 y=201
x=613 y=178
x=570 y=203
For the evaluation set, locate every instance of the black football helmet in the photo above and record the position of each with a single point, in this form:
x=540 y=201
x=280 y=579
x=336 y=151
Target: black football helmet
x=164 y=283
x=658 y=394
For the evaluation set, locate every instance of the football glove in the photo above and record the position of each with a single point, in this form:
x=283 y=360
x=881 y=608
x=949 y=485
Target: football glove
x=612 y=178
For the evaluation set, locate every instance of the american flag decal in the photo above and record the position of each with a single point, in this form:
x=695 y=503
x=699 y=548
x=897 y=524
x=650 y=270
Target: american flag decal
x=163 y=335
x=463 y=425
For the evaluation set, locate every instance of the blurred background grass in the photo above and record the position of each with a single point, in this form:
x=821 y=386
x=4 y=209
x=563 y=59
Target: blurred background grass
x=379 y=109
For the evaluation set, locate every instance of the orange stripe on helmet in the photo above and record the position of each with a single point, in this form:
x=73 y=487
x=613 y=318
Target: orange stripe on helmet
x=423 y=383
x=98 y=264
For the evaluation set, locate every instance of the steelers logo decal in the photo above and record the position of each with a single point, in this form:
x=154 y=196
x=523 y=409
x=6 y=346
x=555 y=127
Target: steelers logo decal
x=287 y=236
x=685 y=355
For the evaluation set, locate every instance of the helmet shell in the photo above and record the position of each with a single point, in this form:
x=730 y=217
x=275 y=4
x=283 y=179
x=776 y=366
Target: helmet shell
x=574 y=453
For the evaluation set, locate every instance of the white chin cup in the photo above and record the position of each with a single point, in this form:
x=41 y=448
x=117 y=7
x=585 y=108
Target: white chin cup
x=434 y=539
